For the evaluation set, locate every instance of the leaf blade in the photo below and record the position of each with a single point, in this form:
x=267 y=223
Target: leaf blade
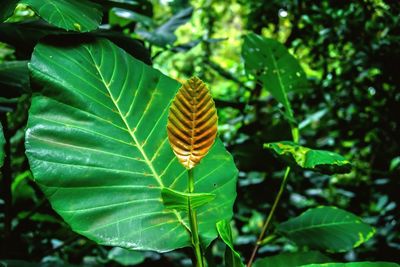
x=114 y=160
x=310 y=159
x=337 y=230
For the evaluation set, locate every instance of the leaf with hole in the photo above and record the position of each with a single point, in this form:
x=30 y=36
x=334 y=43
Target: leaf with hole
x=232 y=257
x=71 y=15
x=97 y=145
x=310 y=159
x=177 y=200
x=327 y=228
x=292 y=259
x=271 y=63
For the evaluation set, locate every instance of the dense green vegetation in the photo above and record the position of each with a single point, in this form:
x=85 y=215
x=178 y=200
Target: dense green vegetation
x=307 y=155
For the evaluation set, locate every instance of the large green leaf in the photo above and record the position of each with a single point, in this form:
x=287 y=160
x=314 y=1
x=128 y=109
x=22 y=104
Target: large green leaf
x=355 y=264
x=75 y=15
x=327 y=228
x=97 y=146
x=292 y=259
x=232 y=258
x=311 y=159
x=2 y=143
x=271 y=63
x=7 y=9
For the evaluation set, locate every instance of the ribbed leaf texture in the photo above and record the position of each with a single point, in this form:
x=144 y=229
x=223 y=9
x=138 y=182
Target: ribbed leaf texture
x=192 y=122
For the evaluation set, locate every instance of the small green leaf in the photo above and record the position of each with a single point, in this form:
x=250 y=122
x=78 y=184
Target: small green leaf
x=126 y=257
x=232 y=258
x=7 y=9
x=269 y=61
x=177 y=200
x=292 y=259
x=311 y=159
x=355 y=264
x=74 y=15
x=2 y=143
x=327 y=228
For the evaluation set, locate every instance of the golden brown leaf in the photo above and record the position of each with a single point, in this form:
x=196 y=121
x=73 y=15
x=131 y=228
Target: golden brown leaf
x=192 y=122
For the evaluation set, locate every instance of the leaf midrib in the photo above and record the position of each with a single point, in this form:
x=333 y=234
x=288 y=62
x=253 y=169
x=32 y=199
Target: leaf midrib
x=148 y=162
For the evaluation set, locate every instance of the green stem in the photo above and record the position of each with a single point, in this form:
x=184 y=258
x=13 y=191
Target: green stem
x=193 y=223
x=296 y=137
x=269 y=218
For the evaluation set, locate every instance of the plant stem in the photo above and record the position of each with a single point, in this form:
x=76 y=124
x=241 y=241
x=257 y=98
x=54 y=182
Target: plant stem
x=193 y=223
x=295 y=137
x=269 y=218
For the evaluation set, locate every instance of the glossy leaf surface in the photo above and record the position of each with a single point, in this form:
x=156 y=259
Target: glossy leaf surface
x=97 y=146
x=192 y=122
x=355 y=264
x=311 y=159
x=177 y=200
x=292 y=259
x=271 y=63
x=71 y=15
x=327 y=228
x=232 y=258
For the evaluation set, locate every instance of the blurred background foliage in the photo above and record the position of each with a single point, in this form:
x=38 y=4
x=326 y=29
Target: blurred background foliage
x=350 y=52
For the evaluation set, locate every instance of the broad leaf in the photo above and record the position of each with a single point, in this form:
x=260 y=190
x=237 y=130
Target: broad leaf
x=126 y=257
x=25 y=35
x=75 y=15
x=164 y=35
x=7 y=9
x=177 y=200
x=327 y=228
x=310 y=159
x=292 y=259
x=271 y=63
x=232 y=258
x=97 y=146
x=355 y=264
x=192 y=122
x=2 y=143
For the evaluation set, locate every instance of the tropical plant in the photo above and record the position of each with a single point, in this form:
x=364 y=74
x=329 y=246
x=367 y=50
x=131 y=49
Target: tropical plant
x=131 y=158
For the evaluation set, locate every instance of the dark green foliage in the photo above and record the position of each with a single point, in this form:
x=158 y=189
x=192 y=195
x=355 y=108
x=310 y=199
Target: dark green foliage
x=344 y=100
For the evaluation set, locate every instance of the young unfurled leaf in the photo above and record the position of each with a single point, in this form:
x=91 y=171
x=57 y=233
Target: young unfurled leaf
x=177 y=200
x=311 y=159
x=192 y=122
x=232 y=257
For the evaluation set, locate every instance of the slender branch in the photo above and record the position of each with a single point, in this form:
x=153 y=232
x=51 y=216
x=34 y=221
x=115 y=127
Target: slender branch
x=269 y=218
x=193 y=223
x=295 y=137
